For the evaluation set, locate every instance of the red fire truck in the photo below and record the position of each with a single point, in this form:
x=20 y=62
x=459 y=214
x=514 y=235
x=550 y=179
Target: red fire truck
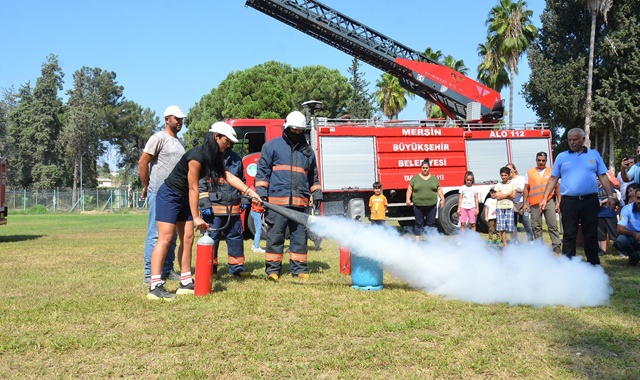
x=352 y=154
x=3 y=192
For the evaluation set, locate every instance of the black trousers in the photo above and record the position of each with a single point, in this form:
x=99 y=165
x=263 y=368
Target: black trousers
x=583 y=211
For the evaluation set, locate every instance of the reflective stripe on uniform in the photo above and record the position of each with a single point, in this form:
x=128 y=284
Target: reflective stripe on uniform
x=236 y=260
x=262 y=184
x=297 y=169
x=301 y=257
x=273 y=256
x=284 y=201
x=223 y=210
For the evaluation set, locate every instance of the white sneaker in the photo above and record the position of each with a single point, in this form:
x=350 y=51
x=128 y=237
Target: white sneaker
x=258 y=250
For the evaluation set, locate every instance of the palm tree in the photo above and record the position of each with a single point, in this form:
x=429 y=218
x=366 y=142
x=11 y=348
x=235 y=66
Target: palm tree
x=391 y=96
x=434 y=55
x=452 y=63
x=510 y=33
x=491 y=71
x=595 y=7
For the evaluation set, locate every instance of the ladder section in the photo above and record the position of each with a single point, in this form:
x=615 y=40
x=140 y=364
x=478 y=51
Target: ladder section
x=378 y=50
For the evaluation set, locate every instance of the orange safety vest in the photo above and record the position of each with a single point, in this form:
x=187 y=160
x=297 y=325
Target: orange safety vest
x=537 y=184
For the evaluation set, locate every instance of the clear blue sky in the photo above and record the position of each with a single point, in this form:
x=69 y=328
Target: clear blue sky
x=168 y=52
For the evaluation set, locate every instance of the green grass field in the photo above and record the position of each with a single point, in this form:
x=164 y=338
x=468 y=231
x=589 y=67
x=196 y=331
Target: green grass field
x=73 y=306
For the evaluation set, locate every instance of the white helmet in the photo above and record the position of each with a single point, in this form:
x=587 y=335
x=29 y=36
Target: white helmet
x=296 y=120
x=224 y=129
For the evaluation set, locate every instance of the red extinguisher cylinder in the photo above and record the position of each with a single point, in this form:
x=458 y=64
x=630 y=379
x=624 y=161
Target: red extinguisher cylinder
x=345 y=260
x=204 y=266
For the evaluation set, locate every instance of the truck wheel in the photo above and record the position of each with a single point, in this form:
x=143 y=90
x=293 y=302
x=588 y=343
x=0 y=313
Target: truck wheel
x=448 y=215
x=481 y=223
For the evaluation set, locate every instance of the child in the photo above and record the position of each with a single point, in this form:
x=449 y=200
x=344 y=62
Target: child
x=468 y=203
x=378 y=205
x=505 y=193
x=490 y=216
x=607 y=220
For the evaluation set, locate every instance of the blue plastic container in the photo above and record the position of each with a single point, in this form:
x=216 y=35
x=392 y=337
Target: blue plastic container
x=366 y=274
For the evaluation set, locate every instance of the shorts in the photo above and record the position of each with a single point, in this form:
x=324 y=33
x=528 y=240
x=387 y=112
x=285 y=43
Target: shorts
x=504 y=220
x=172 y=207
x=467 y=215
x=607 y=226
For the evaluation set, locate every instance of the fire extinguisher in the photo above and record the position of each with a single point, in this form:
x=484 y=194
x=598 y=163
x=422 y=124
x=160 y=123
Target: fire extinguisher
x=204 y=266
x=206 y=247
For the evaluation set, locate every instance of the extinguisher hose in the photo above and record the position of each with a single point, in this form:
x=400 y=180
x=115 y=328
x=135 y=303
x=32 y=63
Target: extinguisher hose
x=235 y=200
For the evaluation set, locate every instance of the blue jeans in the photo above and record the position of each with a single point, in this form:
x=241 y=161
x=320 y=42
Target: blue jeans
x=525 y=219
x=257 y=223
x=152 y=238
x=629 y=246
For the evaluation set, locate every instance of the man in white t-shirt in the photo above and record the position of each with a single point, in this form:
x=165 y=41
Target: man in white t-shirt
x=161 y=153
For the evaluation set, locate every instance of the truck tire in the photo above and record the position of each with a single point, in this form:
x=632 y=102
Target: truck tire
x=448 y=215
x=406 y=223
x=481 y=223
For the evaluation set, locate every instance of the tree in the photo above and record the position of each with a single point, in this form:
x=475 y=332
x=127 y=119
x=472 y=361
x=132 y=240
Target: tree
x=93 y=107
x=511 y=32
x=436 y=56
x=616 y=100
x=457 y=65
x=320 y=83
x=491 y=70
x=269 y=90
x=8 y=103
x=595 y=7
x=558 y=58
x=33 y=127
x=132 y=127
x=360 y=103
x=391 y=96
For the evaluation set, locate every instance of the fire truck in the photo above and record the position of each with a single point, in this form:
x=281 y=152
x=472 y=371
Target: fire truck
x=352 y=154
x=3 y=192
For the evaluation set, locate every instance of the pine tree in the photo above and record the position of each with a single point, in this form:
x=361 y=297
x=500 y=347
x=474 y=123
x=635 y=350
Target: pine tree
x=360 y=104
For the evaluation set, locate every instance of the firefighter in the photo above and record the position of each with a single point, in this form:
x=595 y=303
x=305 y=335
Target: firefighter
x=288 y=176
x=220 y=203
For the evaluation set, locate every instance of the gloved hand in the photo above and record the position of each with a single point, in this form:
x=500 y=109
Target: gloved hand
x=207 y=215
x=317 y=198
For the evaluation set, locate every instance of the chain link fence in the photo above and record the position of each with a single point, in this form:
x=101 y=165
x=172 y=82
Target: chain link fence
x=66 y=200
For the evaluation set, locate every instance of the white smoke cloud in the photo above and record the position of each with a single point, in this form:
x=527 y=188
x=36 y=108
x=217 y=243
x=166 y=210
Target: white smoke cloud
x=468 y=270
